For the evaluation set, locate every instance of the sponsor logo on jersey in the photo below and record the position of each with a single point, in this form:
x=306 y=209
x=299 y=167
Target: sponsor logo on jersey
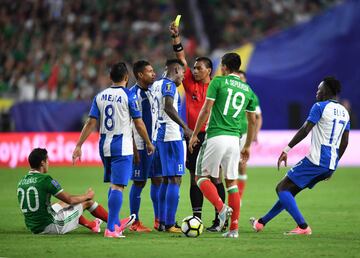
x=55 y=183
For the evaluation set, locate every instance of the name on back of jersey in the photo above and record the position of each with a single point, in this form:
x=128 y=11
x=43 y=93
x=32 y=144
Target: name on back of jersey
x=339 y=112
x=237 y=84
x=110 y=98
x=28 y=181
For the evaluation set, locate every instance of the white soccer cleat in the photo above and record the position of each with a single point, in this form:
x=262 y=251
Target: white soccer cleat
x=231 y=234
x=224 y=215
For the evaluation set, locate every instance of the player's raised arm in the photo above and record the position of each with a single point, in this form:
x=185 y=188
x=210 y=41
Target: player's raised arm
x=89 y=126
x=176 y=42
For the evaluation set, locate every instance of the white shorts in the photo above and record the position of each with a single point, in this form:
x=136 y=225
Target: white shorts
x=65 y=219
x=242 y=142
x=222 y=150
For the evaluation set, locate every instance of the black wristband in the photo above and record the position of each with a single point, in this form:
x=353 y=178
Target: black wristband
x=178 y=47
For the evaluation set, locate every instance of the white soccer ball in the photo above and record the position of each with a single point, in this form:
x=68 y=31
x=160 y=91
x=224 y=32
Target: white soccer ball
x=192 y=226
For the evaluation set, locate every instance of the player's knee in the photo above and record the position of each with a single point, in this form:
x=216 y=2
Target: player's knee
x=117 y=187
x=216 y=181
x=140 y=183
x=279 y=187
x=175 y=180
x=87 y=204
x=156 y=181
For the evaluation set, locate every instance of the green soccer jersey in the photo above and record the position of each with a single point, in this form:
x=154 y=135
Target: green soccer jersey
x=244 y=121
x=34 y=192
x=232 y=97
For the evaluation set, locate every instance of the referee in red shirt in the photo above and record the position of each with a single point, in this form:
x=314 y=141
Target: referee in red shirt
x=195 y=85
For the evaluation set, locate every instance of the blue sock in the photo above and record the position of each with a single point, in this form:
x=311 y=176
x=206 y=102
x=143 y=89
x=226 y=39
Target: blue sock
x=162 y=203
x=114 y=205
x=172 y=201
x=154 y=194
x=109 y=192
x=275 y=210
x=289 y=203
x=135 y=200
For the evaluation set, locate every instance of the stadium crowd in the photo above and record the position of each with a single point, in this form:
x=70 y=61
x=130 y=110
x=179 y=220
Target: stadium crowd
x=61 y=49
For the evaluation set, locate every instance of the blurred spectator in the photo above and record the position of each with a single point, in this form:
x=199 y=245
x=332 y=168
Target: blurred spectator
x=240 y=22
x=61 y=49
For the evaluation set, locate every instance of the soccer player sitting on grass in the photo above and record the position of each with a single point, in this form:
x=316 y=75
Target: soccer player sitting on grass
x=34 y=192
x=329 y=122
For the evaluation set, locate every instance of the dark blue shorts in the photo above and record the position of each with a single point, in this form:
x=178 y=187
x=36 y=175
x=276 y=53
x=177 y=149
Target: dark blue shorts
x=142 y=171
x=117 y=170
x=172 y=158
x=306 y=174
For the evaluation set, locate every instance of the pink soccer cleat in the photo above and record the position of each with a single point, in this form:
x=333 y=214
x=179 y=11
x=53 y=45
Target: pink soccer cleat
x=125 y=223
x=257 y=227
x=299 y=231
x=113 y=234
x=96 y=228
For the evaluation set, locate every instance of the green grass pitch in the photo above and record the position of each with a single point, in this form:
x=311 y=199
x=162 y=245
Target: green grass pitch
x=332 y=209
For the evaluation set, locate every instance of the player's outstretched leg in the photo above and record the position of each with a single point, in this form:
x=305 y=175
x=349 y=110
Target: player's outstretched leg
x=286 y=191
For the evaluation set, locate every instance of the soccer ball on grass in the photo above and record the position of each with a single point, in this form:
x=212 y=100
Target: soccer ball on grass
x=192 y=226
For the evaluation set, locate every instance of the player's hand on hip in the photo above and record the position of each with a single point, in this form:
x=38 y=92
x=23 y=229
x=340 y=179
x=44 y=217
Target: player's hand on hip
x=194 y=140
x=150 y=149
x=76 y=154
x=282 y=158
x=245 y=155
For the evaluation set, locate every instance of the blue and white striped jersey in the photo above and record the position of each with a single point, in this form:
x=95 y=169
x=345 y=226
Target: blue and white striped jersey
x=331 y=119
x=114 y=107
x=149 y=106
x=168 y=129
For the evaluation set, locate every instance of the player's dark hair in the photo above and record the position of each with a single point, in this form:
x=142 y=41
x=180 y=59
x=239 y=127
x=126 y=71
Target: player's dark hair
x=118 y=72
x=36 y=156
x=332 y=84
x=232 y=61
x=242 y=72
x=171 y=62
x=206 y=61
x=139 y=67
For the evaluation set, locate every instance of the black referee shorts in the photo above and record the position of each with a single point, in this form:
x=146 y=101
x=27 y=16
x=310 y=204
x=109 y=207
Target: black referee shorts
x=191 y=157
